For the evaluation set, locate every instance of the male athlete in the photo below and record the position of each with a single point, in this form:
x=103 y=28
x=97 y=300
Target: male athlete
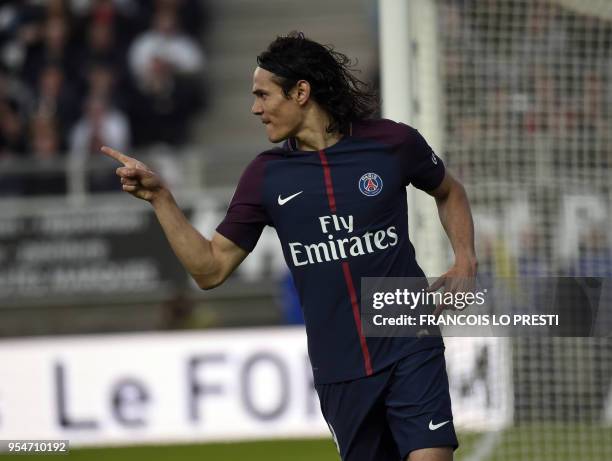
x=335 y=191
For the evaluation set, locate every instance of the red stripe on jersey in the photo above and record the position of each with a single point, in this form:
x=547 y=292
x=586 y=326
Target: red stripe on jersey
x=353 y=295
x=329 y=188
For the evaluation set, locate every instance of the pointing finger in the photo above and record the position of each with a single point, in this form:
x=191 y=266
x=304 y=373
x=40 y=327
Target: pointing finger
x=116 y=155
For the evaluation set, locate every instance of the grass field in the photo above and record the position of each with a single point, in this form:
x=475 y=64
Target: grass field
x=548 y=442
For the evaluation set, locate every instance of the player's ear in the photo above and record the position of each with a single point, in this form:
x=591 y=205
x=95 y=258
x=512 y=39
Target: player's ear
x=302 y=93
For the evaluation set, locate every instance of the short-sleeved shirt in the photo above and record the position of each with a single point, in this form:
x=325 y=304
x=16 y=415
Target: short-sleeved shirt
x=340 y=214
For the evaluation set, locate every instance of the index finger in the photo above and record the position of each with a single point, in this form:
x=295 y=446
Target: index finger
x=116 y=155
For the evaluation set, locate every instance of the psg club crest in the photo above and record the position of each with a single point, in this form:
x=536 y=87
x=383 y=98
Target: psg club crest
x=370 y=184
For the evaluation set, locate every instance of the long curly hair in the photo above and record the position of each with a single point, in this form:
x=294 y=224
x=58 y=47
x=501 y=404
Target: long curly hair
x=333 y=86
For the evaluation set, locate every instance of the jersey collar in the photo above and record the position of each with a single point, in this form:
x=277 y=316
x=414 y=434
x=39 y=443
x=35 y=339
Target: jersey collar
x=291 y=143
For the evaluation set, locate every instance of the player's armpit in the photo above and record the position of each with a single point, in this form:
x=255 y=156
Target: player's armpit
x=227 y=256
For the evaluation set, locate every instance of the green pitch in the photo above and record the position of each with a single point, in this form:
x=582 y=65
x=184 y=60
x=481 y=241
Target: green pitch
x=535 y=442
x=294 y=450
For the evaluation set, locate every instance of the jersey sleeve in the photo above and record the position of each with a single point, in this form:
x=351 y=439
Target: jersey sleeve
x=421 y=166
x=246 y=216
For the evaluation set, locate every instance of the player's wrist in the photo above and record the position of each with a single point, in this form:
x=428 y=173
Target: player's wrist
x=468 y=261
x=161 y=197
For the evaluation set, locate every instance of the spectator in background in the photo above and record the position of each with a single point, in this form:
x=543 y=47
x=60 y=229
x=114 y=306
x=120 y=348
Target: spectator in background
x=594 y=111
x=46 y=148
x=14 y=101
x=165 y=42
x=163 y=106
x=102 y=47
x=126 y=18
x=54 y=47
x=45 y=142
x=167 y=66
x=12 y=144
x=56 y=98
x=191 y=14
x=594 y=257
x=12 y=130
x=100 y=43
x=101 y=81
x=531 y=260
x=101 y=124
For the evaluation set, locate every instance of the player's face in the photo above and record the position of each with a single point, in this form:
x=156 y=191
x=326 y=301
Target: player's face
x=282 y=116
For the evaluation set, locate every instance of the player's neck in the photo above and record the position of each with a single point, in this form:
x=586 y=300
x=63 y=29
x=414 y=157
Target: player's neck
x=317 y=141
x=314 y=135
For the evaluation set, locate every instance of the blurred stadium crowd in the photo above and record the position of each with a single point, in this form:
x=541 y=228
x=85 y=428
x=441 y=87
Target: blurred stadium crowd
x=76 y=74
x=515 y=70
x=527 y=97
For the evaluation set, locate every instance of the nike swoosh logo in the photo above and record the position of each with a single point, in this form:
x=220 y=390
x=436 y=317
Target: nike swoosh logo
x=433 y=427
x=282 y=201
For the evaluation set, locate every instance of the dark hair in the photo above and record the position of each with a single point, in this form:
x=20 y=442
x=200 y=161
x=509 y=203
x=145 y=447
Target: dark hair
x=343 y=96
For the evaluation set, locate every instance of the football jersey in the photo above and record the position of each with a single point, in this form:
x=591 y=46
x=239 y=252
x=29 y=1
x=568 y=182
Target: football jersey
x=340 y=214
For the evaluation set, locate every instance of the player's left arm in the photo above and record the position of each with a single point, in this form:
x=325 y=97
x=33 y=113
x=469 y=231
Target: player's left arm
x=456 y=218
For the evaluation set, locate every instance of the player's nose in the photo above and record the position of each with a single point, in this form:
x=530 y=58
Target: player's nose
x=256 y=109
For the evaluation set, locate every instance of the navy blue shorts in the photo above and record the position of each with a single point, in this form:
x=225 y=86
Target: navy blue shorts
x=387 y=415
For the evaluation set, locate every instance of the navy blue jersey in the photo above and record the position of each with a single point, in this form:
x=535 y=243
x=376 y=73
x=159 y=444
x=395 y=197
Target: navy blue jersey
x=340 y=214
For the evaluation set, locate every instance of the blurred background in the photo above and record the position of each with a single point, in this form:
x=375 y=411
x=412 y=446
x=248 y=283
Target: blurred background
x=104 y=339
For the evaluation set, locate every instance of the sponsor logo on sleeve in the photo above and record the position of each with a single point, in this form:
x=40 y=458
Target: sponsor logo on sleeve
x=433 y=427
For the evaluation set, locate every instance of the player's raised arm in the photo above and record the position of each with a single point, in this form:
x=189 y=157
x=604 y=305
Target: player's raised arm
x=209 y=262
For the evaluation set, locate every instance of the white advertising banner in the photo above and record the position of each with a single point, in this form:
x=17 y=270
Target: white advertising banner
x=480 y=378
x=170 y=387
x=226 y=385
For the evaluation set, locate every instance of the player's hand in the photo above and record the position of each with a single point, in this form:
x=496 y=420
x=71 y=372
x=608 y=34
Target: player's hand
x=136 y=177
x=461 y=278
